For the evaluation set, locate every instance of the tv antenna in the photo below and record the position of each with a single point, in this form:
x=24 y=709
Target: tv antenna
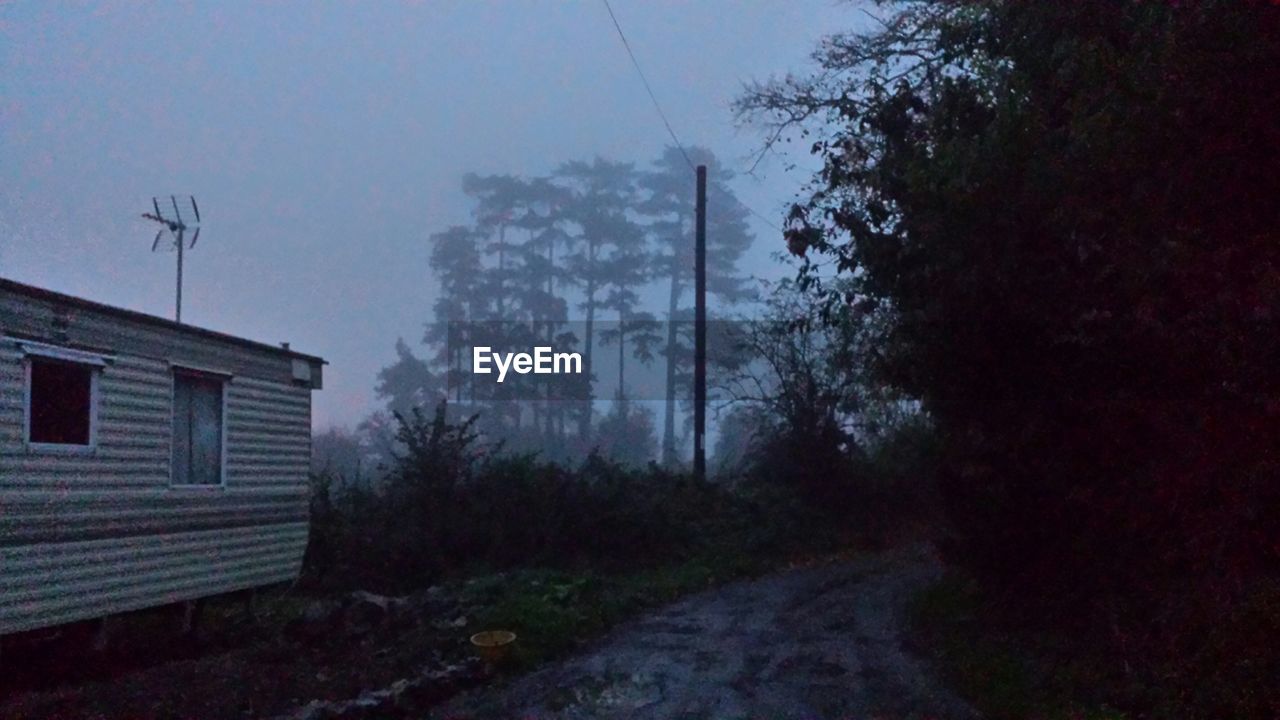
x=177 y=229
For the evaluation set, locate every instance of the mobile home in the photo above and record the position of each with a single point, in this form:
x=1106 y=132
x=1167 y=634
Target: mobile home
x=142 y=462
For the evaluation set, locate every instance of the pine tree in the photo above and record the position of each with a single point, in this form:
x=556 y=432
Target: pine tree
x=669 y=205
x=408 y=382
x=455 y=260
x=607 y=245
x=637 y=327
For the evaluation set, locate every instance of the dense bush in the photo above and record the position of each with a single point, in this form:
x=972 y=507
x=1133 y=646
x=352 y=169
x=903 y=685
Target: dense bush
x=449 y=505
x=1071 y=209
x=806 y=414
x=879 y=491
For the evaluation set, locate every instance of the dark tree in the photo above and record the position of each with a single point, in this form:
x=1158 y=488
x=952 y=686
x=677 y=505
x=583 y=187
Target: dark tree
x=456 y=261
x=669 y=209
x=626 y=434
x=608 y=246
x=408 y=382
x=1071 y=208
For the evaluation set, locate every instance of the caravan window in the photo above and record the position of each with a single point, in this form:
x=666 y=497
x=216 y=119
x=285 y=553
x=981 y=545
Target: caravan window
x=61 y=403
x=197 y=429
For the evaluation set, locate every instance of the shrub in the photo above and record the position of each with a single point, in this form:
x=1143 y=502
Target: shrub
x=1088 y=316
x=881 y=491
x=449 y=505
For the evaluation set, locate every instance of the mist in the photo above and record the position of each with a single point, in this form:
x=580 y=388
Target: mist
x=325 y=143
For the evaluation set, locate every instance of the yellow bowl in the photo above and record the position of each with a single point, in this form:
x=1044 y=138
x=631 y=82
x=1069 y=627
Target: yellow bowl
x=493 y=645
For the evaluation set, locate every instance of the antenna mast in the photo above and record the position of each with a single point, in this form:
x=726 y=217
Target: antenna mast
x=177 y=229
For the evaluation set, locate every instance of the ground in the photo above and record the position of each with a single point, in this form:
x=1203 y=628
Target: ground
x=825 y=641
x=239 y=669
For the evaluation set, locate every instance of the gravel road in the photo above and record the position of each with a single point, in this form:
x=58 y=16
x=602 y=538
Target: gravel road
x=823 y=642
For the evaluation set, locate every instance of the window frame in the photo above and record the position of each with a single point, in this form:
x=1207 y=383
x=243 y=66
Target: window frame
x=93 y=362
x=224 y=380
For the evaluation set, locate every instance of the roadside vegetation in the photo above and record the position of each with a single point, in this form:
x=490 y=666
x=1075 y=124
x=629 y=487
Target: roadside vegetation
x=558 y=554
x=1065 y=214
x=1034 y=323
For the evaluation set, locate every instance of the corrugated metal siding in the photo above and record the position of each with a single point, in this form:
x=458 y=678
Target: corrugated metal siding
x=86 y=535
x=268 y=434
x=50 y=584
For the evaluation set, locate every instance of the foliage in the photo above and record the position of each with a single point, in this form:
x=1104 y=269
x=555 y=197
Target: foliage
x=806 y=376
x=409 y=382
x=554 y=611
x=342 y=456
x=821 y=422
x=592 y=237
x=451 y=506
x=626 y=434
x=1011 y=670
x=740 y=429
x=1070 y=209
x=669 y=185
x=997 y=671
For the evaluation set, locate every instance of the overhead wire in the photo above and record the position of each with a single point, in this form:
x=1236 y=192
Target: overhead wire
x=648 y=88
x=666 y=122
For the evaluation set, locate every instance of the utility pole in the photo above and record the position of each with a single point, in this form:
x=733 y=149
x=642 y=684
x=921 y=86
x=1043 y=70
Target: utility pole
x=700 y=331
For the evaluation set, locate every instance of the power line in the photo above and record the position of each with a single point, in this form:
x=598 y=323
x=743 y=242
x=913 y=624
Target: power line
x=656 y=105
x=667 y=123
x=758 y=216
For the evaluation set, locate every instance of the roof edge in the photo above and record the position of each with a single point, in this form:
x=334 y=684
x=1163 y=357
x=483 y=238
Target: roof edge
x=141 y=317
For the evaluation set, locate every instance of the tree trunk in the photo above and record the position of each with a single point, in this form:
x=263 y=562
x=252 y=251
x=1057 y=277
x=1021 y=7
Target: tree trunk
x=669 y=416
x=549 y=426
x=502 y=269
x=622 y=345
x=584 y=426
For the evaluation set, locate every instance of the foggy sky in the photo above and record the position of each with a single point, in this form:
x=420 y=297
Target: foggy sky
x=326 y=142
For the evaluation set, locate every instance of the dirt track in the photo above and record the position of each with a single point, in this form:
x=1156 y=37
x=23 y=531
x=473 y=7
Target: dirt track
x=818 y=642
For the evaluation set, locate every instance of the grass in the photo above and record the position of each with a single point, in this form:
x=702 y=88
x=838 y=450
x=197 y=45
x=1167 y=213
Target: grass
x=553 y=612
x=1005 y=676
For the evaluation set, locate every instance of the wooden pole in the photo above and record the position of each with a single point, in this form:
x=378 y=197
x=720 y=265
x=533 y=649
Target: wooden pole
x=700 y=332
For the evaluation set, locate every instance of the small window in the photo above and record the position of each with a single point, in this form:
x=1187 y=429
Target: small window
x=197 y=429
x=61 y=397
